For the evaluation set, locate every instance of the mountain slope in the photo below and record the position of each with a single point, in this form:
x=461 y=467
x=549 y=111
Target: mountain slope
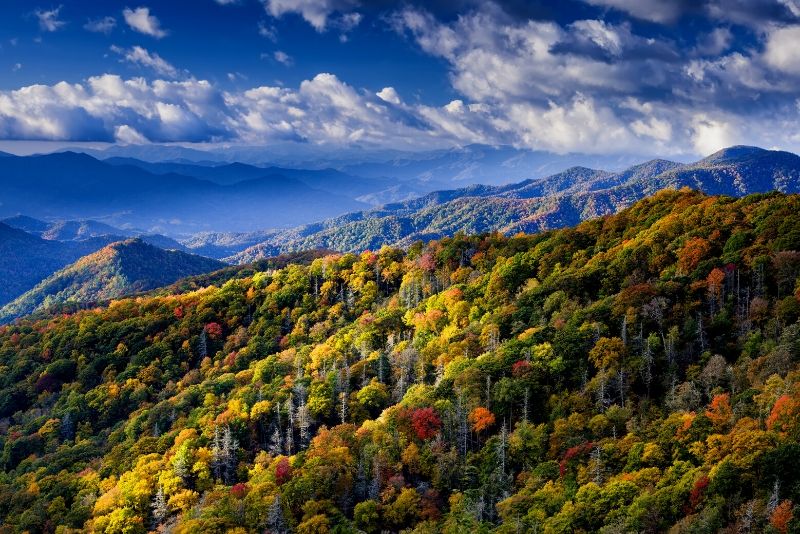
x=26 y=259
x=563 y=199
x=639 y=372
x=120 y=268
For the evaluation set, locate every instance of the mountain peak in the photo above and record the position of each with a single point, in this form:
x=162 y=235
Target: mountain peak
x=735 y=153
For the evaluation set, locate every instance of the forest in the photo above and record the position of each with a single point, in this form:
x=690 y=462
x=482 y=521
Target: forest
x=639 y=372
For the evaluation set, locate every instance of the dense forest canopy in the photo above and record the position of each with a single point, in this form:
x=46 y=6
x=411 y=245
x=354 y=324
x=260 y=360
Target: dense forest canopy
x=636 y=373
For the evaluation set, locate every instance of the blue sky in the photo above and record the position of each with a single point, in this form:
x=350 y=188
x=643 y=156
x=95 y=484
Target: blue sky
x=594 y=76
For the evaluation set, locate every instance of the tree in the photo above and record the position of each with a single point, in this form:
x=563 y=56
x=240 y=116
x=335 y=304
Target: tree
x=182 y=463
x=367 y=516
x=425 y=423
x=481 y=419
x=607 y=353
x=159 y=506
x=276 y=521
x=782 y=516
x=719 y=411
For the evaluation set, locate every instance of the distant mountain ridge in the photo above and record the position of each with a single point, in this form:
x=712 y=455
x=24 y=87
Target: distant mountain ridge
x=117 y=269
x=560 y=200
x=72 y=185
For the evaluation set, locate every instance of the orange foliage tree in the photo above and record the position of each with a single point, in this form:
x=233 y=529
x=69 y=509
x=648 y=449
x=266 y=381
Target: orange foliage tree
x=481 y=419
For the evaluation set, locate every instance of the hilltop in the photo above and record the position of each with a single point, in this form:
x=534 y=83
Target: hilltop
x=117 y=269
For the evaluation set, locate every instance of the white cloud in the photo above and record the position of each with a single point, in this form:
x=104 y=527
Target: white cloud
x=716 y=42
x=710 y=135
x=142 y=21
x=128 y=136
x=315 y=12
x=602 y=34
x=140 y=56
x=16 y=67
x=283 y=57
x=388 y=94
x=103 y=25
x=48 y=19
x=326 y=111
x=783 y=49
x=658 y=129
x=652 y=10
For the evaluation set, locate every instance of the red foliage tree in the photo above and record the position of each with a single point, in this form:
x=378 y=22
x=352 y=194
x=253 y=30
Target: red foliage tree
x=521 y=369
x=283 y=471
x=425 y=423
x=214 y=330
x=239 y=490
x=698 y=491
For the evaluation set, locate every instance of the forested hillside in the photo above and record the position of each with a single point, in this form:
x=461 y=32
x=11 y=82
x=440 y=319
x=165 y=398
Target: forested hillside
x=562 y=199
x=121 y=268
x=636 y=373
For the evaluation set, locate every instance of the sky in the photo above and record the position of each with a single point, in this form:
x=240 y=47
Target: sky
x=590 y=76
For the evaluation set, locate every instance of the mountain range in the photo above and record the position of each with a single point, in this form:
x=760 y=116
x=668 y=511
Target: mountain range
x=559 y=200
x=77 y=186
x=34 y=249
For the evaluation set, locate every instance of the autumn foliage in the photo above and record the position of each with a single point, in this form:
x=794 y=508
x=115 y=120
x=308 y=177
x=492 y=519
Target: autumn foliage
x=481 y=419
x=425 y=423
x=637 y=373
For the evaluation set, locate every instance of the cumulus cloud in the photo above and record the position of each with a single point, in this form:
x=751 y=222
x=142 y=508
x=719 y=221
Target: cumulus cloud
x=594 y=86
x=141 y=57
x=142 y=21
x=103 y=25
x=714 y=43
x=48 y=19
x=315 y=12
x=782 y=50
x=388 y=94
x=322 y=110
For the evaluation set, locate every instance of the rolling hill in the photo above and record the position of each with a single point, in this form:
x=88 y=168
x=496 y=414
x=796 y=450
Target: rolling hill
x=560 y=200
x=118 y=269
